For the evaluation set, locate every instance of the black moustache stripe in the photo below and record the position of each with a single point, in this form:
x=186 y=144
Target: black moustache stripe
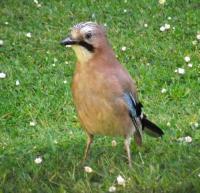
x=89 y=47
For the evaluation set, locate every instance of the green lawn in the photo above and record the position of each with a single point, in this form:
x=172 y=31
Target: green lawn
x=44 y=70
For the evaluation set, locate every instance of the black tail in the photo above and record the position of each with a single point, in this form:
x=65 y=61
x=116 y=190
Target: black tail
x=151 y=129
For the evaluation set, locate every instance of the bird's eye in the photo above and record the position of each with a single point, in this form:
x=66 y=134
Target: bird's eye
x=88 y=35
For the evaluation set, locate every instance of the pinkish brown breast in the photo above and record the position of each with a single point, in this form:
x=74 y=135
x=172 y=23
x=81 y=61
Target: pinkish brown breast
x=98 y=98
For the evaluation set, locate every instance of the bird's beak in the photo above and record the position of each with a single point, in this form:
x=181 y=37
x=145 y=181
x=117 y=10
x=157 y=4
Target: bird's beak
x=68 y=41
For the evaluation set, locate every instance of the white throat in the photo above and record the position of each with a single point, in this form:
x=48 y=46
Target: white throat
x=82 y=53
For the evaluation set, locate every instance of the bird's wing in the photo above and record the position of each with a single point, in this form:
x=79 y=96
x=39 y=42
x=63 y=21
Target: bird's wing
x=135 y=110
x=139 y=119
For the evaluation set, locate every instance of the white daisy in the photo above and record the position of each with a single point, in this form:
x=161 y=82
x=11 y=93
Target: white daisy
x=1 y=42
x=29 y=35
x=17 y=83
x=187 y=58
x=190 y=65
x=164 y=90
x=167 y=26
x=38 y=160
x=168 y=124
x=162 y=2
x=186 y=139
x=112 y=189
x=65 y=81
x=198 y=36
x=32 y=123
x=125 y=10
x=169 y=18
x=180 y=71
x=123 y=48
x=162 y=28
x=2 y=75
x=88 y=169
x=6 y=23
x=196 y=124
x=145 y=25
x=114 y=143
x=120 y=180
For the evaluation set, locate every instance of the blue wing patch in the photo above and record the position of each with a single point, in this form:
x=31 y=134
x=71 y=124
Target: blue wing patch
x=135 y=110
x=130 y=101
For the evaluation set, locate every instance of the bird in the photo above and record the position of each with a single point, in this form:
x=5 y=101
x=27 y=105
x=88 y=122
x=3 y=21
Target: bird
x=104 y=93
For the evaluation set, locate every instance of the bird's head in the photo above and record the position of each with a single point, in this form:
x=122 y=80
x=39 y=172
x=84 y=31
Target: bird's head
x=86 y=39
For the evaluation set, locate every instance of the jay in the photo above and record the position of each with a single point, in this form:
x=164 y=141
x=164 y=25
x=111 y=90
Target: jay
x=104 y=94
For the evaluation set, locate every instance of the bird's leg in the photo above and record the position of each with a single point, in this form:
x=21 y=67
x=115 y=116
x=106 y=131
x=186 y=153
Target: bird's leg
x=89 y=141
x=127 y=143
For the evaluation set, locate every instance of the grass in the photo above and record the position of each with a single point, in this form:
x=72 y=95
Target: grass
x=164 y=165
